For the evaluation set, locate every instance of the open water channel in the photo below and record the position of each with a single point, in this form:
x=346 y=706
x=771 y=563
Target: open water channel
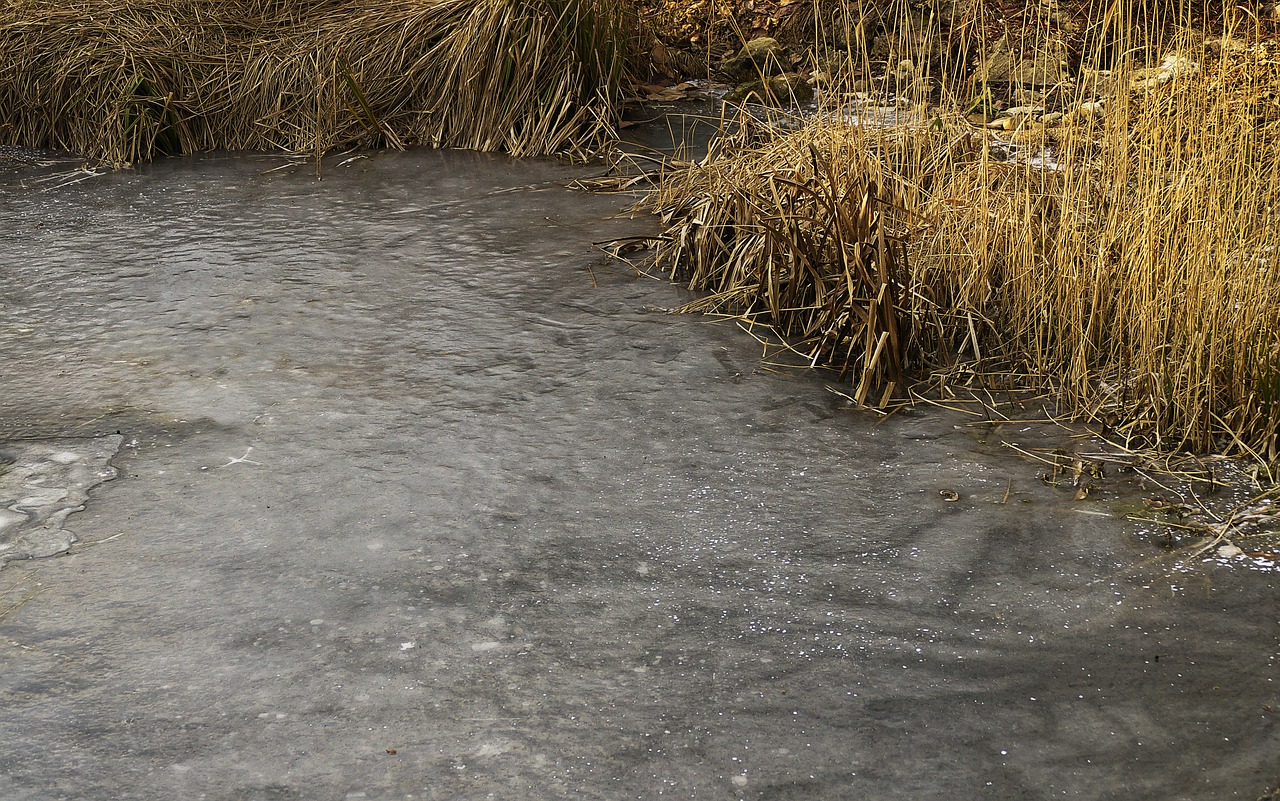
x=397 y=489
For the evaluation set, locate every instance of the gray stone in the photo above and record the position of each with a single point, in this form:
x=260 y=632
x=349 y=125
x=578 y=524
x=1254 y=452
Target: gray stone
x=759 y=57
x=790 y=89
x=1044 y=65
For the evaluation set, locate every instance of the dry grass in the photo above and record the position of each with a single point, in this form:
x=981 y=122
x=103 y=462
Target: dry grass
x=1135 y=274
x=807 y=230
x=123 y=80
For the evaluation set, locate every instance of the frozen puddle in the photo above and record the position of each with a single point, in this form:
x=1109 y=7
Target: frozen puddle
x=428 y=503
x=41 y=483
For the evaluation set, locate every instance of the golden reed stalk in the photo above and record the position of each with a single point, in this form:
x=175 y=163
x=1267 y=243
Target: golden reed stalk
x=1130 y=263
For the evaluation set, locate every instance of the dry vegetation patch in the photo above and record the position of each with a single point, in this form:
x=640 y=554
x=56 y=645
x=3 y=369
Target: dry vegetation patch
x=1122 y=255
x=122 y=80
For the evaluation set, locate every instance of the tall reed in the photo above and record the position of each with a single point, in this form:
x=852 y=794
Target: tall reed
x=1123 y=255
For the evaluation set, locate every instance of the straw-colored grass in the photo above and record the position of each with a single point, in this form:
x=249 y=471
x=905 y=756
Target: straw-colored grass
x=123 y=80
x=1134 y=272
x=808 y=230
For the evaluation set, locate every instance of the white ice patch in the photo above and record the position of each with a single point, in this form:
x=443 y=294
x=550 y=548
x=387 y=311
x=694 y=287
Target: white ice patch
x=9 y=519
x=41 y=483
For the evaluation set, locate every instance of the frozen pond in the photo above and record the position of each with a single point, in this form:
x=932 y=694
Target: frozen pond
x=420 y=497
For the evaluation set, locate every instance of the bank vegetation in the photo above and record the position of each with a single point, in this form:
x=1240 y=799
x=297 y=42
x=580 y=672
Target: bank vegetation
x=121 y=81
x=1085 y=210
x=1077 y=198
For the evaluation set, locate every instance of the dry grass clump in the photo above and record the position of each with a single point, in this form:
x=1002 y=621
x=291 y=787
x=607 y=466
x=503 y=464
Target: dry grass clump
x=122 y=80
x=807 y=230
x=1126 y=260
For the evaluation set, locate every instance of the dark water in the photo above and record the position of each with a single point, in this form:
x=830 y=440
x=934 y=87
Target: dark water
x=407 y=465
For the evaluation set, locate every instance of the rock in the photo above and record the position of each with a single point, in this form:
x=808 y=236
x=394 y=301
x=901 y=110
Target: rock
x=1026 y=96
x=1091 y=108
x=949 y=12
x=905 y=79
x=758 y=50
x=1016 y=118
x=1044 y=65
x=1093 y=80
x=791 y=86
x=759 y=57
x=1087 y=112
x=1023 y=111
x=1172 y=67
x=790 y=89
x=822 y=79
x=1030 y=133
x=1226 y=45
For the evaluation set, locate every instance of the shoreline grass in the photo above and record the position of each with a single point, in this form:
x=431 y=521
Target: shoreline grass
x=1123 y=256
x=122 y=81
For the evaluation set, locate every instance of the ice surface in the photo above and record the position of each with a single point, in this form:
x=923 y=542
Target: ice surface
x=41 y=483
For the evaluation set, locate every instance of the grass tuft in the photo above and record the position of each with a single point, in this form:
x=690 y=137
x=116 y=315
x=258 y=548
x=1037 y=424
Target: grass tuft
x=1122 y=254
x=124 y=80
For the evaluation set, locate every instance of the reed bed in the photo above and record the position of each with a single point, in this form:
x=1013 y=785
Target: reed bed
x=808 y=230
x=124 y=80
x=1126 y=260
